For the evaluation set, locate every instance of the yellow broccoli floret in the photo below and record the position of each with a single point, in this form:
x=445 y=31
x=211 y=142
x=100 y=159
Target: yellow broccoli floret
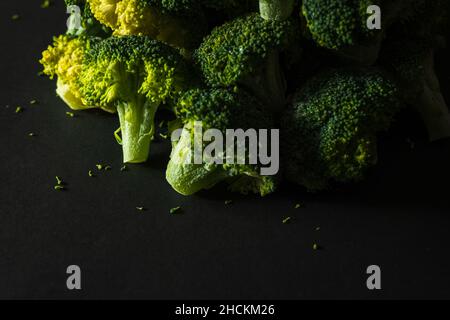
x=144 y=18
x=64 y=60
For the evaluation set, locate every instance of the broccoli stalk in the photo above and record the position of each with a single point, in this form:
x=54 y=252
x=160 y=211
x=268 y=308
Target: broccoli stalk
x=137 y=128
x=430 y=103
x=278 y=10
x=186 y=177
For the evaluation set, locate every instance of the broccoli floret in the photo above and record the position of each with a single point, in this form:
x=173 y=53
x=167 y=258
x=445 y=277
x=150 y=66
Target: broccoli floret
x=245 y=53
x=219 y=109
x=90 y=25
x=134 y=75
x=329 y=132
x=64 y=60
x=341 y=26
x=165 y=20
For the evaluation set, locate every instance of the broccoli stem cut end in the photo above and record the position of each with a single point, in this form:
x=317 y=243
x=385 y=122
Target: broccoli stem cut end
x=278 y=10
x=137 y=127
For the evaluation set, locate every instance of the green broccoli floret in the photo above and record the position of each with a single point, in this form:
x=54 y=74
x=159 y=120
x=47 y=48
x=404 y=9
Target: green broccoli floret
x=219 y=109
x=134 y=75
x=90 y=26
x=165 y=20
x=64 y=60
x=245 y=53
x=329 y=132
x=341 y=26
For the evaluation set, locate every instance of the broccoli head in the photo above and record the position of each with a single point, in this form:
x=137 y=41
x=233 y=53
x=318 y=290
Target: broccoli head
x=341 y=26
x=134 y=75
x=218 y=109
x=165 y=20
x=64 y=60
x=245 y=53
x=329 y=132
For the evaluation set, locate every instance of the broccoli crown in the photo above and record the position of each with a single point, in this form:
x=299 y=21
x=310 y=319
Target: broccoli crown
x=119 y=68
x=222 y=109
x=238 y=50
x=166 y=20
x=330 y=130
x=64 y=59
x=335 y=24
x=219 y=109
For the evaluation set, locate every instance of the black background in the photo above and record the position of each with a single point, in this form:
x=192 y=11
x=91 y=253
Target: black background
x=397 y=219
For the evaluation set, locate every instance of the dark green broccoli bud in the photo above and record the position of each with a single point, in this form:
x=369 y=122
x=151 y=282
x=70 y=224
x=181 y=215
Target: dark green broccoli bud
x=329 y=132
x=245 y=53
x=134 y=75
x=90 y=25
x=218 y=109
x=341 y=26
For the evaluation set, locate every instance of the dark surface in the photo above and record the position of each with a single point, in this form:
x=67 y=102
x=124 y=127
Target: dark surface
x=398 y=219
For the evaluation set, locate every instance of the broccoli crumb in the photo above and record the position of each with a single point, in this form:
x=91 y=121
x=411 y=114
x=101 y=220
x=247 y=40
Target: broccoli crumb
x=19 y=109
x=32 y=134
x=298 y=206
x=59 y=181
x=175 y=210
x=99 y=167
x=140 y=208
x=164 y=136
x=227 y=202
x=34 y=102
x=70 y=114
x=91 y=174
x=59 y=184
x=124 y=168
x=316 y=247
x=317 y=229
x=287 y=220
x=46 y=4
x=108 y=168
x=15 y=17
